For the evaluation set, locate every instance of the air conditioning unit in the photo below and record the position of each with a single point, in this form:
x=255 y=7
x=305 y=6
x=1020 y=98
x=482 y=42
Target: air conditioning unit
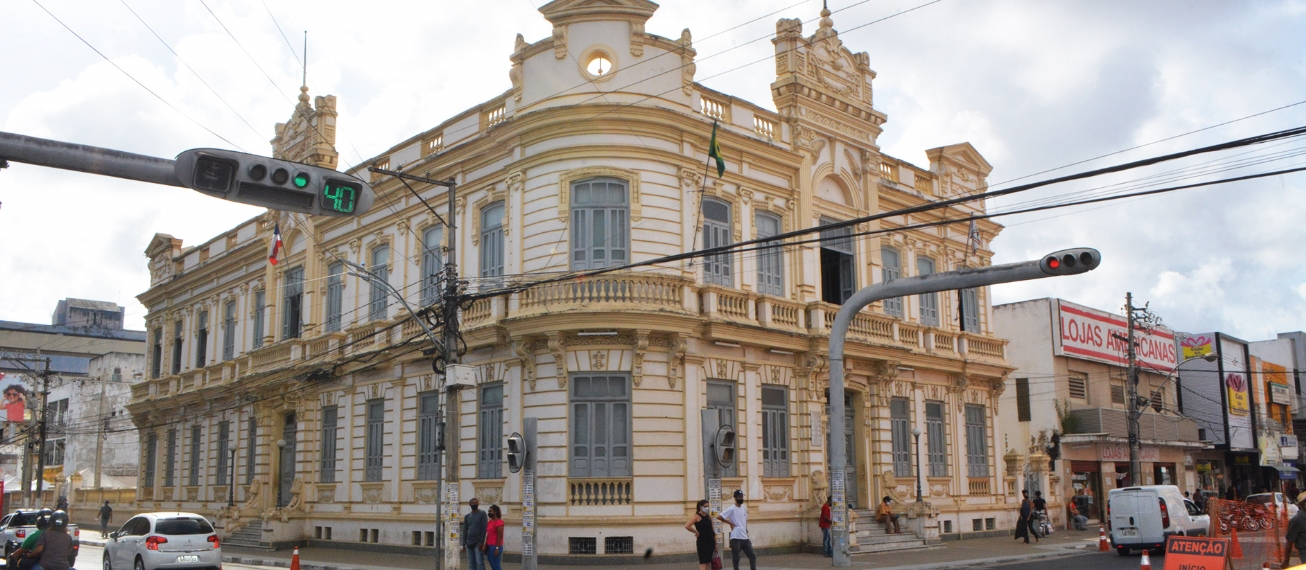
x=459 y=376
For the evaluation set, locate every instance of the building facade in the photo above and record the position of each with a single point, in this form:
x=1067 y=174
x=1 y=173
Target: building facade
x=307 y=387
x=1063 y=414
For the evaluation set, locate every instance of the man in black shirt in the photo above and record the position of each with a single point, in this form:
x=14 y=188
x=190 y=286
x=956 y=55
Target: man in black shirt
x=1040 y=511
x=106 y=517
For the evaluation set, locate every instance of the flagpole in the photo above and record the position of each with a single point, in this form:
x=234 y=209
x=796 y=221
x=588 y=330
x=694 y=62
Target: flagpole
x=698 y=209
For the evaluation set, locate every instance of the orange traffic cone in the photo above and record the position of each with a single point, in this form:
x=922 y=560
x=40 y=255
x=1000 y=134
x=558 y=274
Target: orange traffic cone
x=1101 y=539
x=1146 y=563
x=1235 y=549
x=294 y=559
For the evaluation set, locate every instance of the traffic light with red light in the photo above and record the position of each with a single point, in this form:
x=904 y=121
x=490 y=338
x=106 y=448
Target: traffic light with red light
x=1071 y=261
x=273 y=183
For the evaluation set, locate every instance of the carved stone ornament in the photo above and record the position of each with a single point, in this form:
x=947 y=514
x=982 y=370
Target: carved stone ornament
x=426 y=495
x=326 y=494
x=637 y=39
x=559 y=358
x=637 y=367
x=560 y=42
x=687 y=65
x=526 y=359
x=598 y=360
x=777 y=493
x=372 y=494
x=679 y=346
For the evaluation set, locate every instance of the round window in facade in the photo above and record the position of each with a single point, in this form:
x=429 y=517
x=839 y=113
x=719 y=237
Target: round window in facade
x=599 y=65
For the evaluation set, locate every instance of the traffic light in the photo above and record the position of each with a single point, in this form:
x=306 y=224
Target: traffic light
x=724 y=446
x=1071 y=261
x=273 y=183
x=516 y=452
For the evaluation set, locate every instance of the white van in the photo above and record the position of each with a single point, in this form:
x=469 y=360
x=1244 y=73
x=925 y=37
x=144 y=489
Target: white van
x=1142 y=518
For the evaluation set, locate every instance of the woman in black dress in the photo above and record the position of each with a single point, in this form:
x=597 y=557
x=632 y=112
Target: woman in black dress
x=701 y=525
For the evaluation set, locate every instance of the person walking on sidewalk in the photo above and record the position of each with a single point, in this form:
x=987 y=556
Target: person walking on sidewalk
x=737 y=518
x=1296 y=535
x=701 y=525
x=884 y=514
x=473 y=530
x=827 y=547
x=1022 y=524
x=493 y=547
x=1038 y=516
x=106 y=517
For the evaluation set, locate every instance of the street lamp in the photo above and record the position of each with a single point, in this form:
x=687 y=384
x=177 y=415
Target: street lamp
x=916 y=433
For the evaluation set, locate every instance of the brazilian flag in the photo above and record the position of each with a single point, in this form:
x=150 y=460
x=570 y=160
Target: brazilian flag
x=714 y=152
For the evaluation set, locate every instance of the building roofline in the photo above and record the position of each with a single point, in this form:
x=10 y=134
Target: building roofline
x=37 y=328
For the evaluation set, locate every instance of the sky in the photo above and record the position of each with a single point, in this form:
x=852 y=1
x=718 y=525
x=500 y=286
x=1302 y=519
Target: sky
x=1032 y=85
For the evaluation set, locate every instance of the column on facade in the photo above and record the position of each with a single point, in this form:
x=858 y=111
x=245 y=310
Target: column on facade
x=695 y=386
x=400 y=393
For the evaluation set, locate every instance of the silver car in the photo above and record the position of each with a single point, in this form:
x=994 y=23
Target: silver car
x=164 y=540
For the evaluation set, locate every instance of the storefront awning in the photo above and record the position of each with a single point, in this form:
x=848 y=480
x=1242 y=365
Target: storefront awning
x=1286 y=471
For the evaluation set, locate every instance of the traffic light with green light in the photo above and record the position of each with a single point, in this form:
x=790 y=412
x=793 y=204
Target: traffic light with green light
x=273 y=183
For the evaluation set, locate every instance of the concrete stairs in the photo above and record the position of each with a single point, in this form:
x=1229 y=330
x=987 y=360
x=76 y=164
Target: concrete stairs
x=248 y=536
x=871 y=537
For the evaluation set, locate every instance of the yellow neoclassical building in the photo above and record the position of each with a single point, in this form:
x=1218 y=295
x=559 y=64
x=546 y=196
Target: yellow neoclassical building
x=312 y=390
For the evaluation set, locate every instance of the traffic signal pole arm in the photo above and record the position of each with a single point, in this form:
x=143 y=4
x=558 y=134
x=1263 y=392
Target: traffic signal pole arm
x=1065 y=262
x=88 y=159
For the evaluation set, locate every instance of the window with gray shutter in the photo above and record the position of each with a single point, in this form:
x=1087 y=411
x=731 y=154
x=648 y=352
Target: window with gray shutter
x=229 y=331
x=492 y=240
x=600 y=426
x=335 y=297
x=251 y=446
x=151 y=458
x=977 y=457
x=170 y=470
x=489 y=463
x=770 y=262
x=202 y=340
x=293 y=313
x=929 y=301
x=176 y=347
x=936 y=445
x=900 y=429
x=223 y=475
x=600 y=224
x=775 y=431
x=379 y=301
x=260 y=306
x=428 y=436
x=838 y=273
x=717 y=268
x=721 y=397
x=156 y=363
x=375 y=440
x=432 y=264
x=970 y=310
x=891 y=270
x=194 y=470
x=330 y=423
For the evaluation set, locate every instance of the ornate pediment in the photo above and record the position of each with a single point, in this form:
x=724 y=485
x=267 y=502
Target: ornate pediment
x=563 y=12
x=161 y=244
x=310 y=134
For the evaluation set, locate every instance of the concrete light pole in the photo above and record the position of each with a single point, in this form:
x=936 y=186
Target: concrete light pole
x=916 y=433
x=1065 y=262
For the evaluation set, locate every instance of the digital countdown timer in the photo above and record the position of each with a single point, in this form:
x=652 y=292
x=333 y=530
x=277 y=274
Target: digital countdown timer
x=340 y=195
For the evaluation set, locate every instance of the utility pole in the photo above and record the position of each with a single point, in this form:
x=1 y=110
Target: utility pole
x=40 y=446
x=1131 y=384
x=104 y=427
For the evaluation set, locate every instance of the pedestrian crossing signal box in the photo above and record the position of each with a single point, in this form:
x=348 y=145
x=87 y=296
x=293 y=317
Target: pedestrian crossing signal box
x=273 y=183
x=516 y=452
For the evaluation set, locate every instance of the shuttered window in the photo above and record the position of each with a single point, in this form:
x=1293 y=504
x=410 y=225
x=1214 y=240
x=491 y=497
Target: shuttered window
x=293 y=312
x=251 y=447
x=838 y=274
x=1022 y=399
x=1117 y=393
x=721 y=397
x=770 y=262
x=330 y=423
x=194 y=470
x=977 y=457
x=223 y=476
x=151 y=458
x=489 y=464
x=929 y=301
x=775 y=431
x=260 y=306
x=1079 y=385
x=176 y=347
x=229 y=331
x=335 y=297
x=432 y=264
x=375 y=440
x=428 y=436
x=492 y=240
x=891 y=270
x=600 y=226
x=202 y=340
x=170 y=469
x=600 y=426
x=717 y=269
x=900 y=429
x=935 y=442
x=379 y=301
x=970 y=310
x=156 y=352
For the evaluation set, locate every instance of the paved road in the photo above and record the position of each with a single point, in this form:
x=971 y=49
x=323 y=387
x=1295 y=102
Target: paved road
x=92 y=557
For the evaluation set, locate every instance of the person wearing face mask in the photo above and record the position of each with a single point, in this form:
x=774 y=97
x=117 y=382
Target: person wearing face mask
x=474 y=524
x=737 y=518
x=701 y=525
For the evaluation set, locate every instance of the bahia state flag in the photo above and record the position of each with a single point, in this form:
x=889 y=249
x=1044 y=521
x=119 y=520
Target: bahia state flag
x=276 y=244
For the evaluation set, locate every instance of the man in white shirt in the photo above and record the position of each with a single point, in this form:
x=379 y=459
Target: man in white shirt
x=737 y=518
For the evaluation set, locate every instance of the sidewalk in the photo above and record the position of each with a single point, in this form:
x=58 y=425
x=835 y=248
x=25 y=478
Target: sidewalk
x=987 y=551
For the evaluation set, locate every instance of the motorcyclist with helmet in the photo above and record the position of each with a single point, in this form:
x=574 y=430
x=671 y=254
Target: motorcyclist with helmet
x=22 y=558
x=54 y=548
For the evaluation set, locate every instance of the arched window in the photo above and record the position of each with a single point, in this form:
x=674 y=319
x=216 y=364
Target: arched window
x=891 y=268
x=770 y=262
x=929 y=301
x=380 y=268
x=492 y=240
x=600 y=223
x=716 y=233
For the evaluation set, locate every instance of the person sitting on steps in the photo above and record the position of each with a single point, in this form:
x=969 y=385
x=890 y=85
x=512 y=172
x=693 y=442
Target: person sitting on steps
x=884 y=514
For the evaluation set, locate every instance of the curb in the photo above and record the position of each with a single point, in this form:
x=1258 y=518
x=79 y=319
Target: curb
x=994 y=561
x=278 y=563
